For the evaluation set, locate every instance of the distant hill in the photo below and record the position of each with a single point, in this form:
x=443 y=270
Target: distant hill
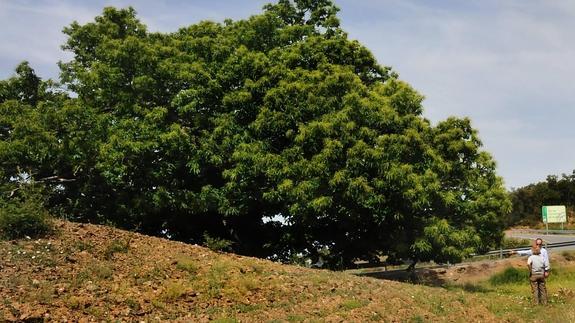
x=87 y=272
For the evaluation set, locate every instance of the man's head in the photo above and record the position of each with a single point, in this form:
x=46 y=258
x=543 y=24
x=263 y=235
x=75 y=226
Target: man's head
x=539 y=242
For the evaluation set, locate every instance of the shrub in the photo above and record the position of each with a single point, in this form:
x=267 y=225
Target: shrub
x=23 y=214
x=217 y=244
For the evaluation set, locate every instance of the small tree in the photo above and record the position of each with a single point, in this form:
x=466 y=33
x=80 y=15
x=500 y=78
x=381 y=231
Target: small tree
x=22 y=213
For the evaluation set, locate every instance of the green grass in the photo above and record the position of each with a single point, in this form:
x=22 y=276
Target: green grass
x=102 y=271
x=173 y=291
x=116 y=246
x=217 y=277
x=188 y=265
x=351 y=304
x=510 y=275
x=225 y=320
x=295 y=318
x=83 y=246
x=246 y=308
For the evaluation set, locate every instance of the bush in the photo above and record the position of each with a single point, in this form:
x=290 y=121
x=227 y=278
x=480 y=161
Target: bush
x=217 y=244
x=24 y=214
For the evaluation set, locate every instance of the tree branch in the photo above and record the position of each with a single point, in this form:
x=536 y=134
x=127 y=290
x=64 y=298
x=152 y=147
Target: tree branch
x=13 y=191
x=55 y=179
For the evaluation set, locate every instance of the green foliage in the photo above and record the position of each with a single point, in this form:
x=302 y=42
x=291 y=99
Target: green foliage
x=81 y=245
x=188 y=265
x=417 y=319
x=116 y=246
x=217 y=277
x=351 y=304
x=25 y=87
x=173 y=291
x=23 y=214
x=225 y=320
x=510 y=275
x=102 y=271
x=217 y=244
x=512 y=243
x=220 y=127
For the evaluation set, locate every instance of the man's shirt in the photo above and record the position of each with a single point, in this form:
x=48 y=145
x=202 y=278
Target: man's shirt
x=537 y=264
x=544 y=254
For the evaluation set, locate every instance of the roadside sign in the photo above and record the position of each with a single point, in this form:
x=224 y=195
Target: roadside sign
x=554 y=214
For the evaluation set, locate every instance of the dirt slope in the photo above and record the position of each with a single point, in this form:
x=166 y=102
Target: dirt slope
x=87 y=272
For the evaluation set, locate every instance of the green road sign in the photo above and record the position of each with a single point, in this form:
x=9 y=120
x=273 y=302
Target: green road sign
x=554 y=214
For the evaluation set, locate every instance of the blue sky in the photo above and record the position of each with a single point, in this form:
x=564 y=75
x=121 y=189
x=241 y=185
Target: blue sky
x=506 y=64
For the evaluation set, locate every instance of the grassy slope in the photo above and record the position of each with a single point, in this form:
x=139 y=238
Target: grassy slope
x=88 y=271
x=510 y=298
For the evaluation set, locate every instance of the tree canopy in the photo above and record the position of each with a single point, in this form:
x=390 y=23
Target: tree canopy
x=277 y=133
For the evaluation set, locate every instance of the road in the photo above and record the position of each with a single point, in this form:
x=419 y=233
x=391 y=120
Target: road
x=549 y=238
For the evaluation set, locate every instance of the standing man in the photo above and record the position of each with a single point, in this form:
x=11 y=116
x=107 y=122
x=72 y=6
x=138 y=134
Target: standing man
x=537 y=269
x=544 y=254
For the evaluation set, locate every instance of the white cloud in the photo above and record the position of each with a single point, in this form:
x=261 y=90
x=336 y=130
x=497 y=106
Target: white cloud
x=506 y=64
x=32 y=30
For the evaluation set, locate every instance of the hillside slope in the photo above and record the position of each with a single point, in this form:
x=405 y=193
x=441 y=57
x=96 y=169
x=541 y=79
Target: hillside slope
x=87 y=272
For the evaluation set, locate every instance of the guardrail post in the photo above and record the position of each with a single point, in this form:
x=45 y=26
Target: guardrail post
x=500 y=252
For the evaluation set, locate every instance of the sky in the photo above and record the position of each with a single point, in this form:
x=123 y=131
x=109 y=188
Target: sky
x=508 y=65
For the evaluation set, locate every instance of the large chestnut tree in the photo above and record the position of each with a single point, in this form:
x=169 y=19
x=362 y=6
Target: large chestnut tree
x=277 y=133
